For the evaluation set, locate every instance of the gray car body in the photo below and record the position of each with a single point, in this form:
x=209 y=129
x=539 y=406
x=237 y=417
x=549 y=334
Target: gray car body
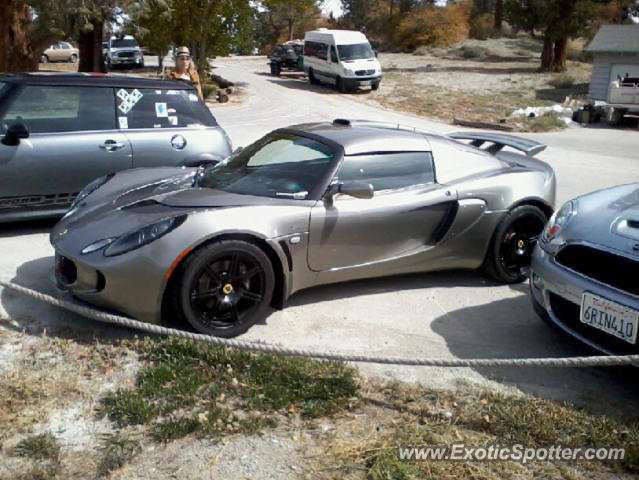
x=602 y=223
x=448 y=224
x=40 y=176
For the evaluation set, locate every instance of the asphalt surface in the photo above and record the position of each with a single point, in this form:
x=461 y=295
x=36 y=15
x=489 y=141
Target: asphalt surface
x=443 y=315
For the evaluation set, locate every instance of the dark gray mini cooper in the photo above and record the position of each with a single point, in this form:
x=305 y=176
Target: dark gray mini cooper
x=58 y=132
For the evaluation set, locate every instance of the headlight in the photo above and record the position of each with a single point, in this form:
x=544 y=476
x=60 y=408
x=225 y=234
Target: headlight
x=559 y=220
x=89 y=189
x=95 y=246
x=142 y=236
x=348 y=71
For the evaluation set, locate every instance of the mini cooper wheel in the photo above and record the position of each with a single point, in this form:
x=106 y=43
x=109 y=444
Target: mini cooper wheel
x=510 y=251
x=224 y=288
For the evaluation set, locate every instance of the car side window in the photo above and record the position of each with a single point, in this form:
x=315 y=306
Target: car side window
x=53 y=109
x=333 y=54
x=151 y=108
x=388 y=170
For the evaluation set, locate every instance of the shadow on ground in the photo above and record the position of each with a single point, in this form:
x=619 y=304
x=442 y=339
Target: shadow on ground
x=509 y=328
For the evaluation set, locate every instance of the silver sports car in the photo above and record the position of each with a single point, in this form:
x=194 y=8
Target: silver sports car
x=305 y=205
x=583 y=269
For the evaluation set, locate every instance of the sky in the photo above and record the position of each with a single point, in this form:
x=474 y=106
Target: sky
x=334 y=6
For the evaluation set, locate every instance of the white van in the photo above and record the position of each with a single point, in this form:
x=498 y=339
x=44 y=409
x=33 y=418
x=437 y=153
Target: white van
x=341 y=57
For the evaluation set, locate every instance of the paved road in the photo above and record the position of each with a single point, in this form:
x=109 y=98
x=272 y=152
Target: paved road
x=445 y=314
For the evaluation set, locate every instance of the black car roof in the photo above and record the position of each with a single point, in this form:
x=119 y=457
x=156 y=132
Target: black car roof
x=91 y=80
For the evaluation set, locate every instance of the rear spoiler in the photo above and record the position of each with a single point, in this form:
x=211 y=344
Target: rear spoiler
x=499 y=141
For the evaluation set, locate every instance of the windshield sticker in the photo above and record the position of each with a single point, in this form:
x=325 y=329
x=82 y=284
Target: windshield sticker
x=173 y=120
x=160 y=110
x=193 y=97
x=128 y=99
x=123 y=122
x=157 y=125
x=172 y=92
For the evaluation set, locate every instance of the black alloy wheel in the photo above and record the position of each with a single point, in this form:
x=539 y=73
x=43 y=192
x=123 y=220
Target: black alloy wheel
x=225 y=288
x=510 y=252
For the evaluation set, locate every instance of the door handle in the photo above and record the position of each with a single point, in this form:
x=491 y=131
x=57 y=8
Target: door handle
x=111 y=145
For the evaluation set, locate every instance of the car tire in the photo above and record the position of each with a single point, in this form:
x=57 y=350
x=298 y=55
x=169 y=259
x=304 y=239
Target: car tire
x=275 y=69
x=374 y=85
x=142 y=62
x=340 y=85
x=108 y=64
x=224 y=288
x=73 y=58
x=512 y=244
x=44 y=59
x=311 y=78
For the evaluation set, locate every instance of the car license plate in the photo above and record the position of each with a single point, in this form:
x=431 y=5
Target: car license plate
x=365 y=83
x=609 y=317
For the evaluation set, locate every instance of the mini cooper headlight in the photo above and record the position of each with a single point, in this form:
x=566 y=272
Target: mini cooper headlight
x=142 y=236
x=89 y=189
x=558 y=220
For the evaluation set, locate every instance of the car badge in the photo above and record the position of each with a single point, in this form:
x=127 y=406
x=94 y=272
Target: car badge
x=520 y=244
x=227 y=289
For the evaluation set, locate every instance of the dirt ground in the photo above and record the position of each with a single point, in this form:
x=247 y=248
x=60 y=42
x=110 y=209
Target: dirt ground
x=481 y=81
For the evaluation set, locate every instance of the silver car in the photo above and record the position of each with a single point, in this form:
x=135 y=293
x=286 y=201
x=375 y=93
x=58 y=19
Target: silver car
x=58 y=132
x=305 y=205
x=582 y=270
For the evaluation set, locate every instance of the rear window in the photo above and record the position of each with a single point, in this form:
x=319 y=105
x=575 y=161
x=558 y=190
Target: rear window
x=51 y=109
x=160 y=108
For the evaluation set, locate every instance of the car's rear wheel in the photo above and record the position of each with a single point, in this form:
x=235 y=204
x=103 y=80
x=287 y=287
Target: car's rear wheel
x=275 y=69
x=224 y=288
x=44 y=59
x=510 y=251
x=311 y=78
x=73 y=58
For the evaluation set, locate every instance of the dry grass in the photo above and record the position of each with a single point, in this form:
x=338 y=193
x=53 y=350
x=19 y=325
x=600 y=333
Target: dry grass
x=364 y=443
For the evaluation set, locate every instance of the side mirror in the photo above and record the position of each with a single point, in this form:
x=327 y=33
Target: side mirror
x=15 y=132
x=353 y=189
x=357 y=189
x=376 y=53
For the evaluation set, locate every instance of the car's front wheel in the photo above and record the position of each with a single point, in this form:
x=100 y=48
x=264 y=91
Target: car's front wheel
x=275 y=69
x=224 y=288
x=44 y=59
x=73 y=58
x=510 y=251
x=311 y=78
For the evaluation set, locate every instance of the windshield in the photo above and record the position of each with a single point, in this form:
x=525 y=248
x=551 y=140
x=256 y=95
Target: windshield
x=355 y=52
x=124 y=42
x=277 y=166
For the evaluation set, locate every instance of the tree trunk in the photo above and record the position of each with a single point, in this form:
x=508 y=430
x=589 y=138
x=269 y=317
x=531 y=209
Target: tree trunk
x=547 y=55
x=559 y=56
x=499 y=17
x=17 y=54
x=290 y=29
x=90 y=46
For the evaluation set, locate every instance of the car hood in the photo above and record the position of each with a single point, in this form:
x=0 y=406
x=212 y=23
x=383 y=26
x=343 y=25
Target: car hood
x=607 y=217
x=134 y=198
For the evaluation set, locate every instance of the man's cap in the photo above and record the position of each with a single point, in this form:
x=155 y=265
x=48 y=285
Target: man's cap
x=182 y=51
